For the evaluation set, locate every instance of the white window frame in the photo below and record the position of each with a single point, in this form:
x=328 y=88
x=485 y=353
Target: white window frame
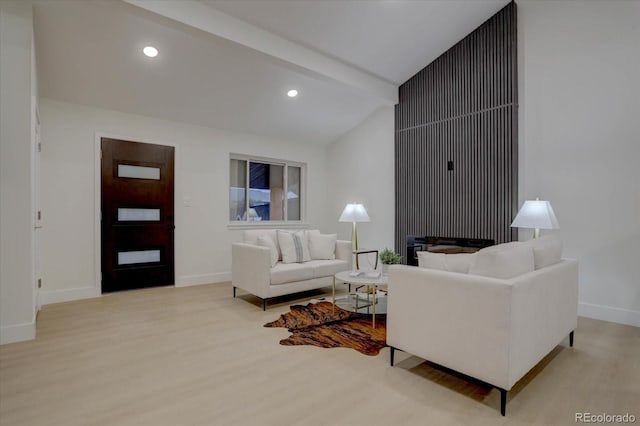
x=247 y=224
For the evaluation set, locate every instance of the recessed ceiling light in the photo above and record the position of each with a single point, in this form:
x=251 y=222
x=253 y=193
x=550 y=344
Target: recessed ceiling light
x=150 y=51
x=292 y=93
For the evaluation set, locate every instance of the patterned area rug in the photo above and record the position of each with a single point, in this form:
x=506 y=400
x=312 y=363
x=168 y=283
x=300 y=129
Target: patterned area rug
x=318 y=324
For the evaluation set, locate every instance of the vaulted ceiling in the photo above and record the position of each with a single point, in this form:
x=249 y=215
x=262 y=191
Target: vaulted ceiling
x=229 y=64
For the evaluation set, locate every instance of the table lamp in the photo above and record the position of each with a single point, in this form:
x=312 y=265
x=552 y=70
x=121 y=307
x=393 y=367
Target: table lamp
x=536 y=214
x=354 y=213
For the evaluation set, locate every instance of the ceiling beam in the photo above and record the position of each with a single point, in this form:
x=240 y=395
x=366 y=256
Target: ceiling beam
x=206 y=18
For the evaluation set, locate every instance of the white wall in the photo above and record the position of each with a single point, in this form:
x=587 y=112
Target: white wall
x=17 y=310
x=202 y=240
x=579 y=65
x=361 y=169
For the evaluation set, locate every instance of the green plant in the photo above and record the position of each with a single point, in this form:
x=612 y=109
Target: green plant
x=389 y=257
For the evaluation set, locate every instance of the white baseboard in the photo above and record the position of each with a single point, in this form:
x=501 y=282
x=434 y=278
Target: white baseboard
x=188 y=280
x=609 y=313
x=17 y=333
x=67 y=295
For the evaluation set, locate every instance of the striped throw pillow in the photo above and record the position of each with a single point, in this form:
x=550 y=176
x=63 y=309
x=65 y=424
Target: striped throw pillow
x=294 y=246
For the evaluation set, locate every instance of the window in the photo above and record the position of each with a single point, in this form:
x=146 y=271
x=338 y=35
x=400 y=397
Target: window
x=264 y=190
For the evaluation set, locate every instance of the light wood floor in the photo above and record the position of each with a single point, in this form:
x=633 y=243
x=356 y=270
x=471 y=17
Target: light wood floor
x=196 y=356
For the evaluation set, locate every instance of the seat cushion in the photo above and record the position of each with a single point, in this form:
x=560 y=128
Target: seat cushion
x=503 y=261
x=327 y=268
x=284 y=273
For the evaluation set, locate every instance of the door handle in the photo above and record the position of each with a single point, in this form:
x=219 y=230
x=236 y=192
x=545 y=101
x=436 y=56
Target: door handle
x=37 y=227
x=170 y=227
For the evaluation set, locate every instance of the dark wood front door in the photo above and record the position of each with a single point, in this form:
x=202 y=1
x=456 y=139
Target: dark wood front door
x=137 y=215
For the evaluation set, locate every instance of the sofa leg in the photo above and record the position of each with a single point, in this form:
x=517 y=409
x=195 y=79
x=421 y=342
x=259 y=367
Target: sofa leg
x=503 y=401
x=393 y=351
x=234 y=292
x=571 y=338
x=264 y=304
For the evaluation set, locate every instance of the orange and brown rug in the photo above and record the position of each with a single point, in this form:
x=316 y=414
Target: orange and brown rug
x=320 y=324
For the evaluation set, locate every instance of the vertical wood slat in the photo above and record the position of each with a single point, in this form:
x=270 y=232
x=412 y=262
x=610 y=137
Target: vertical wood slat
x=462 y=108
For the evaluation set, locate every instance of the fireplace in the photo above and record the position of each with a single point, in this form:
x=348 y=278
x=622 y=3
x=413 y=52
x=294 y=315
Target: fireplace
x=416 y=243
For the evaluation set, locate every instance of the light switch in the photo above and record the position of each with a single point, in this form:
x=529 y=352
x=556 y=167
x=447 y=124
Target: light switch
x=187 y=201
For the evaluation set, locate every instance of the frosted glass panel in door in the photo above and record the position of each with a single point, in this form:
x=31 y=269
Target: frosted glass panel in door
x=138 y=172
x=138 y=215
x=141 y=256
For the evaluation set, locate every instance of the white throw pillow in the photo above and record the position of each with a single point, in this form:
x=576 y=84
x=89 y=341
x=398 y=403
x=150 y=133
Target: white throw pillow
x=322 y=246
x=431 y=260
x=294 y=246
x=266 y=241
x=503 y=261
x=547 y=250
x=251 y=237
x=459 y=262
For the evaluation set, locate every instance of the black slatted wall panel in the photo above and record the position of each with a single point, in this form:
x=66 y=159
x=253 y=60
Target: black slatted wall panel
x=461 y=108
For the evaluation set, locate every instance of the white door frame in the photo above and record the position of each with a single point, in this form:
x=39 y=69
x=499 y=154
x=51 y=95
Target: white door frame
x=36 y=213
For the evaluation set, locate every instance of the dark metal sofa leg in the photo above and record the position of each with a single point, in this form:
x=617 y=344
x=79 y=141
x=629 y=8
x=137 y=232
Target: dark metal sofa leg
x=503 y=401
x=571 y=339
x=393 y=351
x=234 y=291
x=264 y=304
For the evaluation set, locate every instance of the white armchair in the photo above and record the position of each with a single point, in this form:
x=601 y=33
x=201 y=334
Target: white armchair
x=492 y=329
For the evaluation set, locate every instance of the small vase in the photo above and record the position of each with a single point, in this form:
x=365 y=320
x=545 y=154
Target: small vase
x=385 y=269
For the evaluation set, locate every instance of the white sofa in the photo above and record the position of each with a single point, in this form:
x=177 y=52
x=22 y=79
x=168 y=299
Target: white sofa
x=515 y=304
x=252 y=270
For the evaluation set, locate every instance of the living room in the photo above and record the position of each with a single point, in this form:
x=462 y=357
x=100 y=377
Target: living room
x=577 y=141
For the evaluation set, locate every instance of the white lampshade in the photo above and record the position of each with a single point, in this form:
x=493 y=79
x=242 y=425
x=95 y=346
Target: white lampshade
x=354 y=213
x=536 y=214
